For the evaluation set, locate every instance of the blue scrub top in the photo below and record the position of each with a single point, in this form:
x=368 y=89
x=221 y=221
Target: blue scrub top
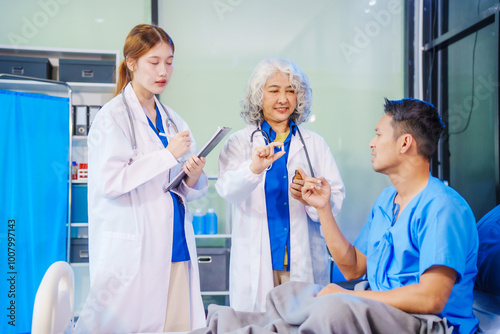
x=180 y=251
x=436 y=228
x=278 y=213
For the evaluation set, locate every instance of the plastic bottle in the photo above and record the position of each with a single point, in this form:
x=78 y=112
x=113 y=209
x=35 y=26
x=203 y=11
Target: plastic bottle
x=74 y=171
x=211 y=222
x=198 y=225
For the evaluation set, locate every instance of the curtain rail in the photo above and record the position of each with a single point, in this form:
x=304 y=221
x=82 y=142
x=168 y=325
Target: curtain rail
x=54 y=82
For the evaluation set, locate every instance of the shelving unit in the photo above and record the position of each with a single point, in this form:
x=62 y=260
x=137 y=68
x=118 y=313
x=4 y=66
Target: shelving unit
x=85 y=94
x=219 y=243
x=212 y=236
x=82 y=93
x=99 y=94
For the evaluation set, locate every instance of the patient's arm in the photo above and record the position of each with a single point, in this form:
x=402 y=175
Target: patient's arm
x=351 y=262
x=428 y=296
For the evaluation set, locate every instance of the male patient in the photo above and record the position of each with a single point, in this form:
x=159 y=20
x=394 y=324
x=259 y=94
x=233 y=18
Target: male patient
x=418 y=248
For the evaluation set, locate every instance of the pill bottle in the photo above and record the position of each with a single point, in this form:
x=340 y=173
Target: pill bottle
x=198 y=224
x=74 y=171
x=211 y=222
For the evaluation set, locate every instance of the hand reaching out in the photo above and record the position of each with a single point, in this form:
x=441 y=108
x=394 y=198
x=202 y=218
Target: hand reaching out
x=316 y=192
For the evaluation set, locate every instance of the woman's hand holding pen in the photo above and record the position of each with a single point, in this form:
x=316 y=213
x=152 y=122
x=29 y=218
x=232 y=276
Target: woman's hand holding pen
x=179 y=144
x=264 y=156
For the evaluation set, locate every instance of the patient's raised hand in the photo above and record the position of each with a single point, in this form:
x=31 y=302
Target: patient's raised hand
x=316 y=192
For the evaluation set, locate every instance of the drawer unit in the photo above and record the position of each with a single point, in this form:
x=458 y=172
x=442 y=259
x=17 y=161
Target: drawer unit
x=78 y=70
x=26 y=66
x=214 y=266
x=79 y=251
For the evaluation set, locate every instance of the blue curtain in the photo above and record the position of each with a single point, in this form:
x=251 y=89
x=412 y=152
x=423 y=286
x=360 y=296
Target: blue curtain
x=34 y=169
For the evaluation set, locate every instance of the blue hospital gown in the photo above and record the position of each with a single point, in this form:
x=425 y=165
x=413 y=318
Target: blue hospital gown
x=436 y=228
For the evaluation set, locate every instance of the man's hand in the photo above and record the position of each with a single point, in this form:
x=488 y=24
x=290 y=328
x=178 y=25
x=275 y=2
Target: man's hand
x=316 y=192
x=428 y=296
x=331 y=289
x=264 y=156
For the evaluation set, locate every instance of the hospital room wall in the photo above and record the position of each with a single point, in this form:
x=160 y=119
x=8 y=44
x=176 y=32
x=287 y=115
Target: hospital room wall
x=352 y=52
x=78 y=24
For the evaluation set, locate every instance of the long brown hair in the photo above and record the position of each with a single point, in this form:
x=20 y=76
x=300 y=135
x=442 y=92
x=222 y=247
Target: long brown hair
x=141 y=39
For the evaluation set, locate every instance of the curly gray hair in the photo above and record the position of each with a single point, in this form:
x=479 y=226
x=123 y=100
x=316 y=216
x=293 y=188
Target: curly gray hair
x=251 y=105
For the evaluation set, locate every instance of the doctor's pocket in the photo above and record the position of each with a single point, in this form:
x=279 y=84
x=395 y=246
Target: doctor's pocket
x=119 y=256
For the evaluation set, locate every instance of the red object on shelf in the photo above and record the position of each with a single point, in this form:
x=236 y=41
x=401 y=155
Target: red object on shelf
x=82 y=171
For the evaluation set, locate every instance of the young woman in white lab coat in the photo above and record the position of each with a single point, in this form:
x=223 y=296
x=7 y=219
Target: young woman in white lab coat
x=277 y=101
x=143 y=268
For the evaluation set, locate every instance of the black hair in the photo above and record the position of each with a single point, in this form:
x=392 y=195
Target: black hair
x=419 y=119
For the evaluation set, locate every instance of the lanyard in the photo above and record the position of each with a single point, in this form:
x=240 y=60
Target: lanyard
x=158 y=129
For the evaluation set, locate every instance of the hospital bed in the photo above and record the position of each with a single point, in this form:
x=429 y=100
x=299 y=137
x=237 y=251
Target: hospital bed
x=487 y=309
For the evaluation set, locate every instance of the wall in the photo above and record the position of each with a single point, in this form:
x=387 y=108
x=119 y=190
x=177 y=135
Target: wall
x=352 y=53
x=89 y=24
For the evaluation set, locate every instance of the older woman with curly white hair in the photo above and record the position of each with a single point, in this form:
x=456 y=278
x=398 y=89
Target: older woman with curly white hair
x=276 y=236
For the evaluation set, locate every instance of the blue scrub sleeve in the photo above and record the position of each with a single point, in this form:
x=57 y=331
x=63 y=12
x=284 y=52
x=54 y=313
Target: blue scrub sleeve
x=361 y=242
x=440 y=227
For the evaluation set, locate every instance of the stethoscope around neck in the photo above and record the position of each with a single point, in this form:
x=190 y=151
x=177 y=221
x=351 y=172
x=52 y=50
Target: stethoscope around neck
x=133 y=140
x=266 y=137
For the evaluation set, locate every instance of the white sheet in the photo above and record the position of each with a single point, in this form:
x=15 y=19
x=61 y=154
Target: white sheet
x=487 y=310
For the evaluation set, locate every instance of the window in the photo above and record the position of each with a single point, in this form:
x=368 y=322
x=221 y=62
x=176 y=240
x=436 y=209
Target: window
x=457 y=71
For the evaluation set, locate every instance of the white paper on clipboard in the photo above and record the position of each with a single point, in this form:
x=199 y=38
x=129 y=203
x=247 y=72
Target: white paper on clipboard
x=209 y=146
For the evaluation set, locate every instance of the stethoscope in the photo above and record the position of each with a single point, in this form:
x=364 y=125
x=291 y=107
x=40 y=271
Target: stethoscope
x=266 y=137
x=169 y=120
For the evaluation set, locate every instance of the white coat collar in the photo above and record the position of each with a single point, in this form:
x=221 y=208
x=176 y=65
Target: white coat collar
x=134 y=104
x=258 y=138
x=296 y=144
x=136 y=107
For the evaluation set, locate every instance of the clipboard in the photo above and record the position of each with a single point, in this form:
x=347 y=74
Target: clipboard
x=209 y=146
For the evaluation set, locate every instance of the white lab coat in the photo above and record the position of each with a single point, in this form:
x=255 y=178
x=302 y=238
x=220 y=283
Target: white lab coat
x=131 y=224
x=251 y=273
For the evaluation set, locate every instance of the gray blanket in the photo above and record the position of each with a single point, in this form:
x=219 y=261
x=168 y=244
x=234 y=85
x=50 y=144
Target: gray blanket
x=293 y=308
